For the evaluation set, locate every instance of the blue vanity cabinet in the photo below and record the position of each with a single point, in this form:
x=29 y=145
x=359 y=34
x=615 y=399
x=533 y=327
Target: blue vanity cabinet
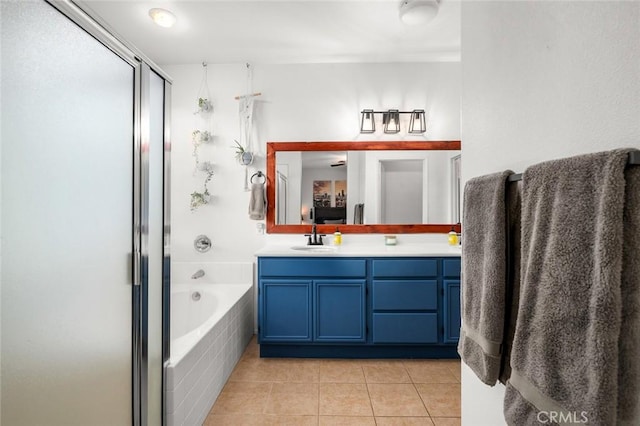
x=285 y=310
x=339 y=311
x=364 y=307
x=311 y=300
x=405 y=301
x=451 y=300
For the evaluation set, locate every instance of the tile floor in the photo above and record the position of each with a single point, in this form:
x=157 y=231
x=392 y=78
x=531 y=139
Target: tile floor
x=293 y=391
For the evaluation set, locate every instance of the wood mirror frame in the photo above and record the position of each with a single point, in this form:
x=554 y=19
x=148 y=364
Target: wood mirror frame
x=274 y=147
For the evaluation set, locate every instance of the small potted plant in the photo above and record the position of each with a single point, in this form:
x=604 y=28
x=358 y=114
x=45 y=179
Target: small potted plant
x=243 y=156
x=201 y=198
x=201 y=137
x=204 y=105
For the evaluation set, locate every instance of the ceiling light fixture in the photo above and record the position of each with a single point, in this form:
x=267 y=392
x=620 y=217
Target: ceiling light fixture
x=162 y=17
x=418 y=12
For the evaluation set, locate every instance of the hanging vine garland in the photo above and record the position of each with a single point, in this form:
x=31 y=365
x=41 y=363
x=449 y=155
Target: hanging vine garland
x=198 y=137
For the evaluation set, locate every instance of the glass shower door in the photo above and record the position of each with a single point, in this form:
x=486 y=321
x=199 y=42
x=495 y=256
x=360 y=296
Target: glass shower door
x=66 y=223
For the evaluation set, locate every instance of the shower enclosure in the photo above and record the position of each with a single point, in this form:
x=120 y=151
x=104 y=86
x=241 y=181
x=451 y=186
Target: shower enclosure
x=84 y=222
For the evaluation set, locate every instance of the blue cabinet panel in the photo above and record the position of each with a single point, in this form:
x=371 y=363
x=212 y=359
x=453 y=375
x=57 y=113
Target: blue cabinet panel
x=340 y=311
x=313 y=267
x=286 y=311
x=405 y=295
x=405 y=328
x=414 y=268
x=451 y=268
x=451 y=311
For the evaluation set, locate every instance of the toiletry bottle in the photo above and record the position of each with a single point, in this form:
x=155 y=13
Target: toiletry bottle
x=337 y=237
x=453 y=237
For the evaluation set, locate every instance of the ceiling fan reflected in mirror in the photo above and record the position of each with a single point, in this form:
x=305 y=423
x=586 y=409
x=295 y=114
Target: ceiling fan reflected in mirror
x=339 y=163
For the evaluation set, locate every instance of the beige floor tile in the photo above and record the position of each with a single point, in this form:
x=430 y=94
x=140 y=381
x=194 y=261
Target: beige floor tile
x=259 y=370
x=456 y=370
x=345 y=399
x=441 y=399
x=301 y=371
x=430 y=371
x=395 y=400
x=234 y=420
x=293 y=399
x=385 y=372
x=240 y=403
x=259 y=420
x=346 y=421
x=446 y=421
x=291 y=420
x=403 y=421
x=341 y=371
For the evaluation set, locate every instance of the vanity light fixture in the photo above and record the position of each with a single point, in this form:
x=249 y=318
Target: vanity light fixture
x=418 y=122
x=368 y=124
x=162 y=17
x=391 y=121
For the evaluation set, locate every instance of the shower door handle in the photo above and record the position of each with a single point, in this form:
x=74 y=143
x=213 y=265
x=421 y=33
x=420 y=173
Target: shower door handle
x=136 y=260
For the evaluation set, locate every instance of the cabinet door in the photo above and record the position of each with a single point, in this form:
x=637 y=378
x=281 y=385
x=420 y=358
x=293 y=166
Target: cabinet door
x=451 y=311
x=285 y=311
x=340 y=311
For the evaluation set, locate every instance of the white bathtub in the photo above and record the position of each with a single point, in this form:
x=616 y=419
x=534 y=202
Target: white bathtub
x=208 y=337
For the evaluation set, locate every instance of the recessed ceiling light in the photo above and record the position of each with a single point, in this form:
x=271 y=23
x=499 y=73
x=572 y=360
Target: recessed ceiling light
x=417 y=12
x=162 y=17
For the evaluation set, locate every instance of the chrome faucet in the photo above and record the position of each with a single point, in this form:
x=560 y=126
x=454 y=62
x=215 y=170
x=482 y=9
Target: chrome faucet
x=198 y=274
x=314 y=238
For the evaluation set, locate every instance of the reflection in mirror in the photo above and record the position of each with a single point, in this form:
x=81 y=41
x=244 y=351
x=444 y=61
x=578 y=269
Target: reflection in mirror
x=367 y=187
x=363 y=186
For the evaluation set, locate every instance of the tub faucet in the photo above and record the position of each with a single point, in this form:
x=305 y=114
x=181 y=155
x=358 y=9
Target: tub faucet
x=198 y=274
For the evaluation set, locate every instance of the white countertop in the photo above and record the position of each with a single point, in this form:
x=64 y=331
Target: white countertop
x=362 y=250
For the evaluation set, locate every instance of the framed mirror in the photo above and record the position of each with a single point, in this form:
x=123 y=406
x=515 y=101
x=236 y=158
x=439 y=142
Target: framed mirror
x=363 y=187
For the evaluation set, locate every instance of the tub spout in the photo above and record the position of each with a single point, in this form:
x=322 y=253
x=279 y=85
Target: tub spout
x=198 y=274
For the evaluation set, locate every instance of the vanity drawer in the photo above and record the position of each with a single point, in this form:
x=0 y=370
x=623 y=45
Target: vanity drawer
x=405 y=328
x=407 y=295
x=305 y=267
x=397 y=268
x=451 y=268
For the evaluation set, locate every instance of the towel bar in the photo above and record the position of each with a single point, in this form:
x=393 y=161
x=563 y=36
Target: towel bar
x=633 y=160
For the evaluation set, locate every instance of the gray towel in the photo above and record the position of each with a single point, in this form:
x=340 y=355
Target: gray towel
x=257 y=202
x=484 y=266
x=566 y=359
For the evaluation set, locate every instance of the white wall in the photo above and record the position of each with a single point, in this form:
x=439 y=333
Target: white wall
x=299 y=103
x=543 y=80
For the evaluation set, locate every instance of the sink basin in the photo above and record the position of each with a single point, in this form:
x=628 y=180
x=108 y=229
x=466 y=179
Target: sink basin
x=314 y=249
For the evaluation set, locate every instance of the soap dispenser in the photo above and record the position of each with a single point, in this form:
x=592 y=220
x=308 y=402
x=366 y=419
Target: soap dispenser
x=453 y=237
x=337 y=237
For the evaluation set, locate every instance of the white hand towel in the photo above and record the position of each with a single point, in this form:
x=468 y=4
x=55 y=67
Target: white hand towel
x=257 y=202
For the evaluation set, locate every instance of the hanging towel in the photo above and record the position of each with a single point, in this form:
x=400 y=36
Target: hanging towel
x=257 y=202
x=567 y=357
x=484 y=276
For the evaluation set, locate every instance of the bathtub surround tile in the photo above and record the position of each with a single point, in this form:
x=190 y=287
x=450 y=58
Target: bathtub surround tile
x=404 y=421
x=395 y=400
x=341 y=371
x=442 y=399
x=385 y=372
x=345 y=399
x=205 y=369
x=430 y=371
